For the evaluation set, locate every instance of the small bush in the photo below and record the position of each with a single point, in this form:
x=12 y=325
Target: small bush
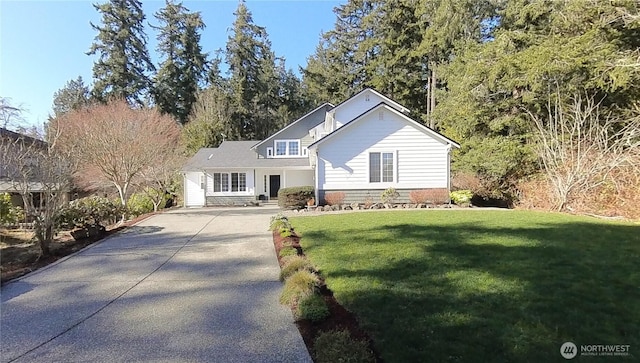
x=300 y=284
x=312 y=307
x=389 y=195
x=278 y=222
x=287 y=251
x=429 y=196
x=294 y=263
x=9 y=215
x=337 y=346
x=461 y=196
x=89 y=212
x=139 y=204
x=295 y=197
x=334 y=198
x=286 y=232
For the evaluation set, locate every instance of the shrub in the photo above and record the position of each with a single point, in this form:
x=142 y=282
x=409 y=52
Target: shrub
x=89 y=212
x=295 y=197
x=139 y=204
x=287 y=251
x=312 y=307
x=426 y=196
x=337 y=346
x=389 y=195
x=334 y=198
x=286 y=232
x=294 y=263
x=9 y=215
x=278 y=222
x=461 y=196
x=300 y=284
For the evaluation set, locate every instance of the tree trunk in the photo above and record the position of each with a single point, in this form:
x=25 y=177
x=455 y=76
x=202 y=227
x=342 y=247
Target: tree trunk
x=432 y=106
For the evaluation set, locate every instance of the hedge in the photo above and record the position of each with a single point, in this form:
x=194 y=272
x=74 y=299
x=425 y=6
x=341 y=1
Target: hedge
x=295 y=197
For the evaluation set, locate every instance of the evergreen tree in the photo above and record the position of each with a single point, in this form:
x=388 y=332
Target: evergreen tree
x=73 y=96
x=338 y=68
x=253 y=79
x=121 y=70
x=539 y=51
x=393 y=46
x=184 y=67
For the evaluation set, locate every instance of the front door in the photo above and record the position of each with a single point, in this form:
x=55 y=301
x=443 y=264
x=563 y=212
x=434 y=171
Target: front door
x=274 y=186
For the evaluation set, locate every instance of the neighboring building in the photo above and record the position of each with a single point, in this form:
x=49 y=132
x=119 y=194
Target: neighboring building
x=20 y=171
x=361 y=147
x=13 y=144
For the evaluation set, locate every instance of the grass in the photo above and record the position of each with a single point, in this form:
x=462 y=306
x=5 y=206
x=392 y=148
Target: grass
x=481 y=286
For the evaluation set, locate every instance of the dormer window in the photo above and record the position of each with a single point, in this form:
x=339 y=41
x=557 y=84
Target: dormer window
x=287 y=148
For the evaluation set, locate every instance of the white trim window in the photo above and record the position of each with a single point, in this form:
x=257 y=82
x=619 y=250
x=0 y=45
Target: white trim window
x=284 y=148
x=229 y=182
x=381 y=167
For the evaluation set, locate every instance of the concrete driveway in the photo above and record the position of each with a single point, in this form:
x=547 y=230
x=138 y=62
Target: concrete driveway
x=183 y=286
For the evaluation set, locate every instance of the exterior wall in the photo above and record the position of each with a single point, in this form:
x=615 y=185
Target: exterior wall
x=420 y=162
x=193 y=193
x=363 y=195
x=298 y=178
x=298 y=130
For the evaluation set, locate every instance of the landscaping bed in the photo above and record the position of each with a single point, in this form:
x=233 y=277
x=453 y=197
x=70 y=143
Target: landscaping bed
x=338 y=318
x=489 y=286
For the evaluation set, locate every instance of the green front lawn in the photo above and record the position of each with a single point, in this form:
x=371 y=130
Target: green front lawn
x=481 y=286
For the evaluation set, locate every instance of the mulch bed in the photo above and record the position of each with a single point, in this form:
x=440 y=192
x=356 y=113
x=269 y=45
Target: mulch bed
x=339 y=317
x=20 y=260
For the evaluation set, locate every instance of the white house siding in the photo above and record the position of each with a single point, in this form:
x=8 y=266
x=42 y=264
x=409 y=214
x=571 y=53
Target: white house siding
x=420 y=160
x=193 y=193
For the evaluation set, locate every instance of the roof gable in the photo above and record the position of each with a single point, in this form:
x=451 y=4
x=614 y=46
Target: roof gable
x=360 y=96
x=428 y=131
x=325 y=107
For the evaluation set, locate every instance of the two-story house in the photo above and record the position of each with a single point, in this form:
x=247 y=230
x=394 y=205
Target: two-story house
x=361 y=147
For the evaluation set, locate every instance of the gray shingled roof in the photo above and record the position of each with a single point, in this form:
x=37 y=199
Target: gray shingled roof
x=237 y=154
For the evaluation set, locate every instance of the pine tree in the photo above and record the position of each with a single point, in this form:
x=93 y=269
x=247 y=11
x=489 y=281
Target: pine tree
x=338 y=69
x=73 y=96
x=184 y=67
x=253 y=79
x=123 y=64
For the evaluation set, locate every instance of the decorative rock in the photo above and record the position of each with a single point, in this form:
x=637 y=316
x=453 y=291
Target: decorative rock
x=354 y=206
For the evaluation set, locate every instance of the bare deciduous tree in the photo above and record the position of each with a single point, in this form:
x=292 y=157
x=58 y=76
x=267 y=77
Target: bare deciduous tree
x=115 y=144
x=10 y=116
x=41 y=173
x=579 y=145
x=156 y=180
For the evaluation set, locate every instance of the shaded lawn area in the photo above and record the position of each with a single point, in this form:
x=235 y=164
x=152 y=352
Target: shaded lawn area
x=481 y=286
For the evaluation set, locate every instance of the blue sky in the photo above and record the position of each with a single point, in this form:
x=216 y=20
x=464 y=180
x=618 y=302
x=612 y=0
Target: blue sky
x=43 y=44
